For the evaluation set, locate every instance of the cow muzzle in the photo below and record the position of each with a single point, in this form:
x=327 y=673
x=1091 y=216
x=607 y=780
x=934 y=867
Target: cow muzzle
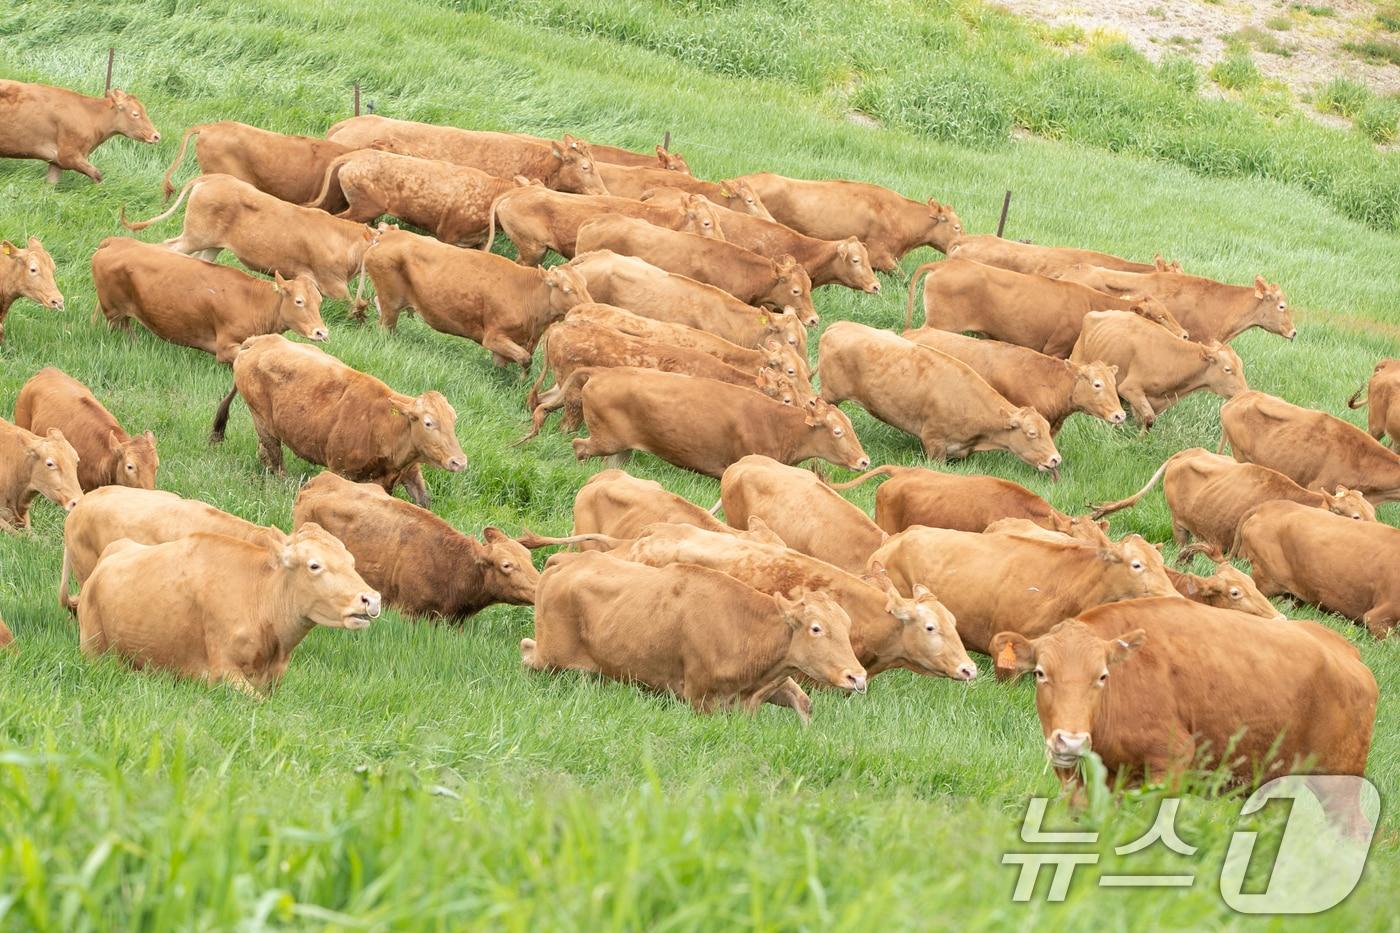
x=366 y=609
x=56 y=303
x=1118 y=417
x=71 y=504
x=853 y=681
x=965 y=671
x=1066 y=748
x=873 y=288
x=455 y=464
x=320 y=334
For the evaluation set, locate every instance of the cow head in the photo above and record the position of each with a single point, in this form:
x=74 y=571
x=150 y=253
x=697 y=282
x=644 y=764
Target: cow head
x=1224 y=370
x=1153 y=310
x=739 y=196
x=1230 y=588
x=786 y=360
x=784 y=325
x=926 y=638
x=700 y=217
x=853 y=266
x=577 y=171
x=1161 y=265
x=129 y=118
x=53 y=468
x=433 y=431
x=779 y=387
x=1086 y=529
x=1028 y=437
x=29 y=272
x=821 y=639
x=1133 y=569
x=1271 y=309
x=507 y=573
x=567 y=288
x=1349 y=503
x=299 y=306
x=135 y=460
x=791 y=289
x=944 y=226
x=835 y=438
x=671 y=161
x=1072 y=667
x=321 y=580
x=1095 y=392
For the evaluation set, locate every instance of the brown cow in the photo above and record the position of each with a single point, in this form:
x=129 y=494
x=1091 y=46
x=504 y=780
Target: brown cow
x=146 y=516
x=1159 y=687
x=1209 y=310
x=429 y=567
x=565 y=165
x=468 y=293
x=26 y=273
x=1007 y=582
x=1209 y=495
x=1035 y=259
x=1382 y=394
x=1226 y=588
x=33 y=465
x=658 y=626
x=266 y=234
x=938 y=399
x=251 y=607
x=196 y=303
x=620 y=505
x=1054 y=387
x=700 y=424
x=1027 y=310
x=61 y=127
x=888 y=223
x=289 y=168
x=107 y=455
x=748 y=276
x=344 y=419
x=631 y=181
x=1155 y=369
x=453 y=201
x=615 y=155
x=1312 y=448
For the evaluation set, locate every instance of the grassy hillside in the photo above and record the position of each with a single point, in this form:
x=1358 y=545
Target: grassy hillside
x=413 y=775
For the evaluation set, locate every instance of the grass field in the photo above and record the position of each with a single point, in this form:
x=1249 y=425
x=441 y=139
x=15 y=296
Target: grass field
x=413 y=776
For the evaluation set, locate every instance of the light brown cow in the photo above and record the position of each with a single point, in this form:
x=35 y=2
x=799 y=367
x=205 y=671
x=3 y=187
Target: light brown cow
x=26 y=273
x=1027 y=310
x=266 y=234
x=940 y=400
x=1035 y=259
x=1227 y=588
x=107 y=455
x=748 y=276
x=615 y=503
x=564 y=165
x=471 y=294
x=33 y=465
x=61 y=127
x=239 y=623
x=1054 y=387
x=1158 y=688
x=1209 y=495
x=1007 y=582
x=1382 y=394
x=805 y=512
x=287 y=167
x=615 y=155
x=700 y=424
x=453 y=201
x=1209 y=310
x=1155 y=369
x=346 y=420
x=659 y=627
x=888 y=223
x=631 y=181
x=639 y=287
x=146 y=516
x=418 y=562
x=1312 y=448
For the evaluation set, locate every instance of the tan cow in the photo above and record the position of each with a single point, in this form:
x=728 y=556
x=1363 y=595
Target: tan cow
x=1035 y=259
x=805 y=512
x=146 y=516
x=33 y=465
x=220 y=609
x=1312 y=448
x=639 y=287
x=888 y=223
x=632 y=181
x=418 y=562
x=1054 y=387
x=617 y=504
x=107 y=455
x=199 y=304
x=61 y=127
x=1028 y=310
x=1227 y=588
x=289 y=168
x=615 y=155
x=26 y=273
x=1155 y=369
x=482 y=297
x=940 y=400
x=1158 y=688
x=564 y=165
x=700 y=424
x=748 y=276
x=266 y=234
x=346 y=420
x=1209 y=495
x=696 y=633
x=1008 y=582
x=1209 y=310
x=453 y=201
x=1382 y=394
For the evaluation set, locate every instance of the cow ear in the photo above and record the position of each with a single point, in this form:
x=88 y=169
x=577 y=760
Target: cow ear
x=150 y=436
x=1012 y=652
x=114 y=443
x=1113 y=369
x=279 y=284
x=1014 y=422
x=1341 y=491
x=1191 y=588
x=555 y=151
x=34 y=243
x=1261 y=288
x=1110 y=556
x=7 y=248
x=920 y=591
x=788 y=609
x=1119 y=648
x=725 y=191
x=493 y=535
x=571 y=141
x=787 y=262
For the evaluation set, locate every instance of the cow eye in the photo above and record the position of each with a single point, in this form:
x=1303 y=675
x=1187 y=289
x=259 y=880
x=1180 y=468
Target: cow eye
x=313 y=565
x=300 y=302
x=816 y=629
x=428 y=423
x=1098 y=386
x=929 y=628
x=586 y=167
x=1031 y=432
x=1282 y=306
x=837 y=431
x=131 y=468
x=1235 y=593
x=855 y=260
x=1356 y=515
x=1137 y=566
x=568 y=289
x=507 y=566
x=50 y=464
x=1039 y=676
x=1103 y=678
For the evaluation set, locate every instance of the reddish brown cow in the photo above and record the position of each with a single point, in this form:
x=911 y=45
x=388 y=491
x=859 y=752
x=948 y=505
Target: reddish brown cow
x=31 y=465
x=107 y=455
x=61 y=127
x=626 y=181
x=287 y=167
x=26 y=273
x=1382 y=394
x=1035 y=259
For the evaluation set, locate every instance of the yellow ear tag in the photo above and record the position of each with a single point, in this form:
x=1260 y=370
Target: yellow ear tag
x=1006 y=657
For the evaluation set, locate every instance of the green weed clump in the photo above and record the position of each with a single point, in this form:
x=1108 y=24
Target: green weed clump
x=1378 y=120
x=1343 y=97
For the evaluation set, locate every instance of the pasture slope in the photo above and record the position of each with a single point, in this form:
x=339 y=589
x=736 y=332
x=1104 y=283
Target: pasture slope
x=413 y=776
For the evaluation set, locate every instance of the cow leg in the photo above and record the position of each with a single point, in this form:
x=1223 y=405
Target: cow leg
x=618 y=460
x=75 y=160
x=505 y=351
x=935 y=447
x=238 y=681
x=1379 y=621
x=529 y=654
x=1142 y=408
x=790 y=694
x=269 y=447
x=415 y=486
x=1180 y=534
x=530 y=254
x=55 y=173
x=1341 y=801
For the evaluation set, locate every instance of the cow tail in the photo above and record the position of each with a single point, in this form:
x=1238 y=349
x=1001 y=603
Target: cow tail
x=532 y=401
x=64 y=599
x=1105 y=508
x=332 y=175
x=166 y=188
x=913 y=283
x=532 y=541
x=216 y=434
x=886 y=470
x=491 y=217
x=1356 y=400
x=143 y=224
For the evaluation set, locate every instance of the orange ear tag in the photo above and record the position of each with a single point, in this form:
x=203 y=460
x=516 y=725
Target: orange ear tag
x=1006 y=657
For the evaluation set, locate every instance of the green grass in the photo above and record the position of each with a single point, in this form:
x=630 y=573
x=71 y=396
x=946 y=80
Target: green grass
x=413 y=776
x=1379 y=51
x=1344 y=97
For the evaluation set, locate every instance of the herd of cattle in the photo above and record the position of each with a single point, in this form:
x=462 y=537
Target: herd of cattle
x=688 y=296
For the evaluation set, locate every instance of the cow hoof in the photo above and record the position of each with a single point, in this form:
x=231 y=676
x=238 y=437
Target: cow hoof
x=527 y=654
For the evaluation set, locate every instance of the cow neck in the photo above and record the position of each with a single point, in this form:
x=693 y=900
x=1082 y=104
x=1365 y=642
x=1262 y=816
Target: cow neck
x=465 y=584
x=402 y=454
x=10 y=279
x=105 y=119
x=769 y=640
x=278 y=606
x=540 y=320
x=19 y=507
